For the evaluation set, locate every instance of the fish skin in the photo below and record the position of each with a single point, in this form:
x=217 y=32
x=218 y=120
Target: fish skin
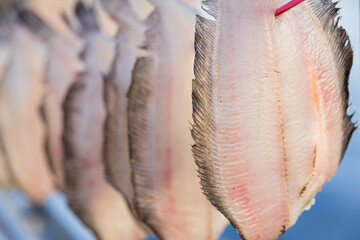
x=269 y=109
x=168 y=198
x=22 y=128
x=4 y=170
x=117 y=83
x=98 y=205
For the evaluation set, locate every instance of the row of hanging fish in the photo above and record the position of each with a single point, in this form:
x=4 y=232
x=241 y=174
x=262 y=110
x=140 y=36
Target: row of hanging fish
x=97 y=98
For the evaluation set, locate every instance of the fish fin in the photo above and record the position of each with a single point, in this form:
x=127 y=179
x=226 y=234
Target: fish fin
x=204 y=132
x=210 y=7
x=110 y=96
x=72 y=165
x=141 y=86
x=205 y=149
x=349 y=130
x=136 y=105
x=327 y=13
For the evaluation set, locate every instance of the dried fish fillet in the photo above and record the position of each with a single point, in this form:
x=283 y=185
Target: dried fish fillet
x=116 y=144
x=168 y=198
x=21 y=126
x=99 y=205
x=270 y=101
x=63 y=67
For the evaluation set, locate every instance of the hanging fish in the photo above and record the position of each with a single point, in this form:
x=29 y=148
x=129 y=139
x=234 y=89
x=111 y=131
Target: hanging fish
x=168 y=198
x=100 y=206
x=63 y=67
x=270 y=104
x=116 y=144
x=21 y=94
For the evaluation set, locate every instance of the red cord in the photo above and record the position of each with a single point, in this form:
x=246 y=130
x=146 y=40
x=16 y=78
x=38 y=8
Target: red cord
x=287 y=7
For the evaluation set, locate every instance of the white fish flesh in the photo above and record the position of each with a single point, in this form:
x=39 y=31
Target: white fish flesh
x=270 y=109
x=168 y=198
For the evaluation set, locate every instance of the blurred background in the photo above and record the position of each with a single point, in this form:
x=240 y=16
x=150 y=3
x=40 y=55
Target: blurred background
x=335 y=216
